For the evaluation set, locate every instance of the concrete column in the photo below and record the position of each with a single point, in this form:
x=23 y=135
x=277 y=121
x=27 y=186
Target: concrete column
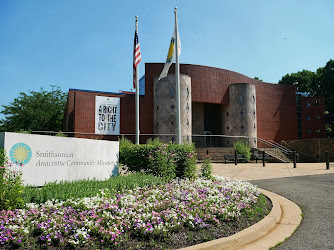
x=239 y=117
x=164 y=106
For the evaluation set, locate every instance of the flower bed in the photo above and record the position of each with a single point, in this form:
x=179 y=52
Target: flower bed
x=152 y=212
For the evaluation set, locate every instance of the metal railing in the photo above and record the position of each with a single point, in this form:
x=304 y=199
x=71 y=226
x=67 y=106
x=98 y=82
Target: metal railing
x=278 y=151
x=199 y=140
x=292 y=148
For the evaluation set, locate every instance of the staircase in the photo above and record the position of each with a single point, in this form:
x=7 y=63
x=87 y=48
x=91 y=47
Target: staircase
x=274 y=149
x=216 y=153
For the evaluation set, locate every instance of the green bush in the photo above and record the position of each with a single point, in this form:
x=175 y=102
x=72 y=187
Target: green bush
x=243 y=149
x=157 y=158
x=60 y=134
x=11 y=185
x=206 y=168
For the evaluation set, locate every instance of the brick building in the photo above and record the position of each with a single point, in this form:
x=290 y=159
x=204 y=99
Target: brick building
x=213 y=101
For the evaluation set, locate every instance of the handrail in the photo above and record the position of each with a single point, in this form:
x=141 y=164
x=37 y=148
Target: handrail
x=281 y=147
x=299 y=152
x=276 y=146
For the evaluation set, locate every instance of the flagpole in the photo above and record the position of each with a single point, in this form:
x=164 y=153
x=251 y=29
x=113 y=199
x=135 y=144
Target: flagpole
x=177 y=81
x=137 y=94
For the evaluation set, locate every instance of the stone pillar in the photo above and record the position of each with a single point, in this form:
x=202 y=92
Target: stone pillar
x=239 y=117
x=164 y=106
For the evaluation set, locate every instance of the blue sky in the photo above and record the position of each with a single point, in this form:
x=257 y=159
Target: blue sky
x=89 y=44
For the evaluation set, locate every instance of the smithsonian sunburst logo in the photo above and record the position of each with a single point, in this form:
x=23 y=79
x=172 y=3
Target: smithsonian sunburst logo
x=20 y=154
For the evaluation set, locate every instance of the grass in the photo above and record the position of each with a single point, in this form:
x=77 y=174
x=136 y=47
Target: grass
x=137 y=211
x=65 y=190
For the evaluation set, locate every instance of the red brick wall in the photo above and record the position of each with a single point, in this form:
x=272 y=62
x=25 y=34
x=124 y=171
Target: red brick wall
x=83 y=118
x=312 y=108
x=276 y=104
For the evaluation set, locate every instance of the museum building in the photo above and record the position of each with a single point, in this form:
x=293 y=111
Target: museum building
x=215 y=103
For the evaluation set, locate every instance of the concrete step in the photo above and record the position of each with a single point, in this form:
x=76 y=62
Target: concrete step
x=275 y=153
x=216 y=153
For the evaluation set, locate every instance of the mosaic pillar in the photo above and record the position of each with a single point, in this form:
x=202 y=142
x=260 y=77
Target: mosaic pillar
x=164 y=104
x=239 y=117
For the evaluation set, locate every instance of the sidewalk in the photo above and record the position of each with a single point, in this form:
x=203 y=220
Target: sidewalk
x=255 y=171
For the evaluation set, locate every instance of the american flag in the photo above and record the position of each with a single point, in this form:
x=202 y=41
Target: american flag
x=136 y=57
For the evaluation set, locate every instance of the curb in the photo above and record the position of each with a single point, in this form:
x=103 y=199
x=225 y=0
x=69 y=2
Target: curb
x=263 y=234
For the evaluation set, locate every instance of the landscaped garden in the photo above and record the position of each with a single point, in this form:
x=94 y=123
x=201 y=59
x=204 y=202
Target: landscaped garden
x=161 y=203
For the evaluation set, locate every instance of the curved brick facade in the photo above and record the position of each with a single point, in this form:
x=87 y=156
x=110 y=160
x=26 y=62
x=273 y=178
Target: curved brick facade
x=276 y=109
x=276 y=104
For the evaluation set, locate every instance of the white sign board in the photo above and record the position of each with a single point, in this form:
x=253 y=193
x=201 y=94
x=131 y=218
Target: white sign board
x=107 y=115
x=45 y=159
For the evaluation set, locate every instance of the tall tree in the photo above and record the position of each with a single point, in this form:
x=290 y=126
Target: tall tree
x=303 y=80
x=42 y=110
x=319 y=83
x=324 y=85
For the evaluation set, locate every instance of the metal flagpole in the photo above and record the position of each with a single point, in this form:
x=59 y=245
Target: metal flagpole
x=177 y=82
x=137 y=94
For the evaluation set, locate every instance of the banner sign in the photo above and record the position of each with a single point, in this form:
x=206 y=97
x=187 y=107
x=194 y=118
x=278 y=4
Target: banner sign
x=45 y=159
x=107 y=115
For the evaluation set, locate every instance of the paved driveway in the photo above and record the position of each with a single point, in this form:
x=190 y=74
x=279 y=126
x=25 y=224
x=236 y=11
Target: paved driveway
x=315 y=196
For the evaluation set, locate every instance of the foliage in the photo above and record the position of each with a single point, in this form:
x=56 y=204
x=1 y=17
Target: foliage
x=157 y=158
x=64 y=190
x=319 y=83
x=257 y=78
x=206 y=168
x=60 y=134
x=302 y=80
x=243 y=149
x=3 y=157
x=21 y=131
x=11 y=185
x=111 y=219
x=42 y=110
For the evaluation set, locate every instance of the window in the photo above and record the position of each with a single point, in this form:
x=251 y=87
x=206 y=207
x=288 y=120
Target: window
x=241 y=99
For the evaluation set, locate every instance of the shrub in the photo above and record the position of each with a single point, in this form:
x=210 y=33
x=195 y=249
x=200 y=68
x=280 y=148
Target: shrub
x=185 y=159
x=60 y=134
x=243 y=149
x=157 y=158
x=206 y=168
x=11 y=185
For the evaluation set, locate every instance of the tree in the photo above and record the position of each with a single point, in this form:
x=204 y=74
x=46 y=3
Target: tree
x=42 y=110
x=303 y=80
x=319 y=83
x=324 y=85
x=256 y=78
